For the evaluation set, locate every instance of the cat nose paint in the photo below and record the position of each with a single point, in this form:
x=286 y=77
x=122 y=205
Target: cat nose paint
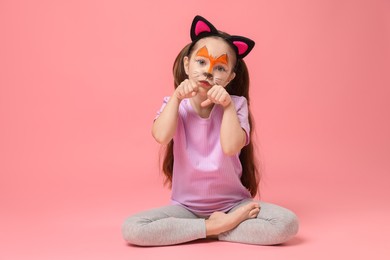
x=208 y=75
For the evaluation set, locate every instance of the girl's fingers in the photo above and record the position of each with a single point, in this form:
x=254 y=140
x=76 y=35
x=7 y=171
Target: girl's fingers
x=217 y=94
x=220 y=95
x=187 y=89
x=191 y=88
x=211 y=94
x=179 y=94
x=193 y=85
x=180 y=90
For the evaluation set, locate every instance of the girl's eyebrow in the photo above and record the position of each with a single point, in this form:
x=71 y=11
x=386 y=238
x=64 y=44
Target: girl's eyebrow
x=203 y=52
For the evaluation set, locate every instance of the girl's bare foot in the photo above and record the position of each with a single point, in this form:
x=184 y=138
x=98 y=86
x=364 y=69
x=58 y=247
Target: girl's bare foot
x=220 y=222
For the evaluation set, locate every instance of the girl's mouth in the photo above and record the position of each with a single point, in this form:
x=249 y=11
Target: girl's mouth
x=204 y=83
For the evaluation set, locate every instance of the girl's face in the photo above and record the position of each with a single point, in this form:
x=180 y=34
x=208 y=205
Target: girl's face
x=211 y=62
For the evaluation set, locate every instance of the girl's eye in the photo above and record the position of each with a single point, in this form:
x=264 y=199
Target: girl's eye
x=220 y=69
x=201 y=62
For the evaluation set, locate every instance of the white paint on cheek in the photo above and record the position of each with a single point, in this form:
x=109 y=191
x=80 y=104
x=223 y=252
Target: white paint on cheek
x=196 y=74
x=218 y=81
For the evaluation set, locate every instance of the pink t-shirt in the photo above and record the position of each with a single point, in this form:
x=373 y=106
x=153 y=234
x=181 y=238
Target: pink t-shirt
x=204 y=179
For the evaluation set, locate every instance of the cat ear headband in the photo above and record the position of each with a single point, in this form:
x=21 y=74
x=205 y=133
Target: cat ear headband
x=201 y=28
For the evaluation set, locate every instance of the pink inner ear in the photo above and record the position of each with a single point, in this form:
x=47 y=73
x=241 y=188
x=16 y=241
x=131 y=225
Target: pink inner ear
x=241 y=46
x=201 y=27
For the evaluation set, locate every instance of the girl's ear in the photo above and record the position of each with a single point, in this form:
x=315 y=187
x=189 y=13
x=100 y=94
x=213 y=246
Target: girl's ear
x=186 y=64
x=244 y=45
x=232 y=76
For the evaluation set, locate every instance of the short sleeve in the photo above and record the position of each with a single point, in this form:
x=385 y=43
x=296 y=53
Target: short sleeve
x=241 y=106
x=165 y=101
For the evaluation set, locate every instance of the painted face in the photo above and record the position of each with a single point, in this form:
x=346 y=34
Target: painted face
x=211 y=62
x=222 y=60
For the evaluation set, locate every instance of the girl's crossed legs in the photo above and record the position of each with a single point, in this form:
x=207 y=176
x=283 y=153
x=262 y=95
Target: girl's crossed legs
x=174 y=224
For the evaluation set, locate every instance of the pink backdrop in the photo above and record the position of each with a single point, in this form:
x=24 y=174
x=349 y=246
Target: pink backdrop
x=80 y=82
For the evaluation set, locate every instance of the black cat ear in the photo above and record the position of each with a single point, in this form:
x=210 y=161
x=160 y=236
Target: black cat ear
x=244 y=45
x=200 y=26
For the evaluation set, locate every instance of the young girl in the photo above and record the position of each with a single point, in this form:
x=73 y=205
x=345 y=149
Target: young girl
x=206 y=125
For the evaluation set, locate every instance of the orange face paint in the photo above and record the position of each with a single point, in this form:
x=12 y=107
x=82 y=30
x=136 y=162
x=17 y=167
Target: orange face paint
x=203 y=52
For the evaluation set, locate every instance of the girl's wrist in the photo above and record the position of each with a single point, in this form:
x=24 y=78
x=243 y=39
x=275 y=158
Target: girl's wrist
x=176 y=98
x=228 y=106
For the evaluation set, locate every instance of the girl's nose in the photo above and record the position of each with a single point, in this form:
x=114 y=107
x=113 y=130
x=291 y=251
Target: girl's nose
x=210 y=69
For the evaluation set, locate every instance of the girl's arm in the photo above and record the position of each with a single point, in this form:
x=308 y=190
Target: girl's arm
x=233 y=137
x=164 y=126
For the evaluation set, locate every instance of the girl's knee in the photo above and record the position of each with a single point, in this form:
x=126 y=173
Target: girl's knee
x=283 y=224
x=288 y=227
x=291 y=224
x=131 y=230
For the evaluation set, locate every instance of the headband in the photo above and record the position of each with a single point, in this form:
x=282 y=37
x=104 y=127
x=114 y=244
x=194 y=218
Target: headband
x=201 y=28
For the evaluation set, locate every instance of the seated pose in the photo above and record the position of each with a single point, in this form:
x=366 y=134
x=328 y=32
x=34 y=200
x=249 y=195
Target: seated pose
x=209 y=161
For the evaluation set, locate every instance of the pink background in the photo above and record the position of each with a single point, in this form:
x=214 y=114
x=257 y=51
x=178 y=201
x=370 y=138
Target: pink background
x=80 y=83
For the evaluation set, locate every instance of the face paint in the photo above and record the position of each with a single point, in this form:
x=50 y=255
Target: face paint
x=203 y=52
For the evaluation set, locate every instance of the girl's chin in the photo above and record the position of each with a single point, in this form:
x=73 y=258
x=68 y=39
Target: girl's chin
x=202 y=91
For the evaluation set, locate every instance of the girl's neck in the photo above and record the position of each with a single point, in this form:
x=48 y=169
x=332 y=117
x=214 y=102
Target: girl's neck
x=203 y=112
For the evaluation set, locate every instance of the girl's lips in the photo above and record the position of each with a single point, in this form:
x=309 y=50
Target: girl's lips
x=205 y=83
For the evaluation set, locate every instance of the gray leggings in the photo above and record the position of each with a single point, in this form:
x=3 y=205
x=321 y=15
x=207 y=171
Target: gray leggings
x=174 y=224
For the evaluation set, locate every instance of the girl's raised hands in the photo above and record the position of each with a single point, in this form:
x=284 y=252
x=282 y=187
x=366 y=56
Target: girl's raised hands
x=217 y=94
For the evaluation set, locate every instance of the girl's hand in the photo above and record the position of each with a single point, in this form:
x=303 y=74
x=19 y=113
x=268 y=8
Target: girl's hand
x=218 y=95
x=186 y=89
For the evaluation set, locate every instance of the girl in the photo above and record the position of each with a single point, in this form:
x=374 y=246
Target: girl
x=206 y=125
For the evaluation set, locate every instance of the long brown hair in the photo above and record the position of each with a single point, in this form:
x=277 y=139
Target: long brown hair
x=239 y=86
